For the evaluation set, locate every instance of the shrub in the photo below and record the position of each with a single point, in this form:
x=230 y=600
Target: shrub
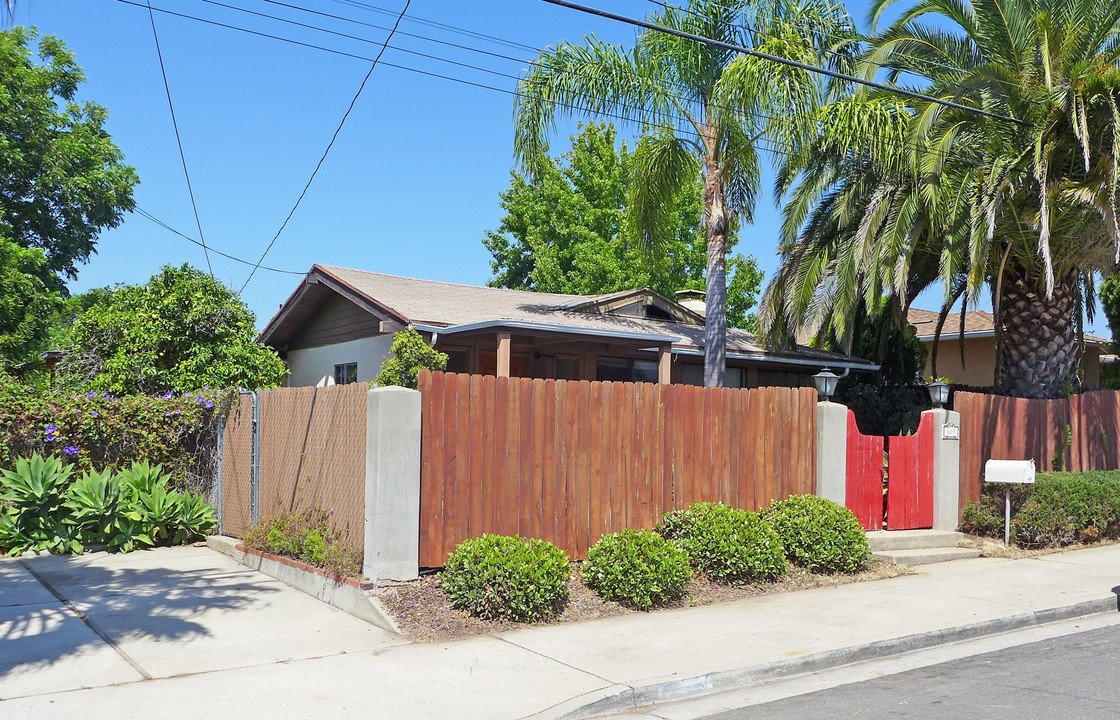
x=306 y=536
x=1063 y=508
x=819 y=534
x=982 y=518
x=408 y=355
x=33 y=514
x=727 y=544
x=503 y=577
x=638 y=568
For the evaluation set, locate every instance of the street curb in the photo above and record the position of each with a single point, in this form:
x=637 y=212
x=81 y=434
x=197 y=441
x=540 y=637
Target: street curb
x=619 y=698
x=347 y=598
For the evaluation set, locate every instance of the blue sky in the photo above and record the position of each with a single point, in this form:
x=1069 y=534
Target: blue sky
x=412 y=183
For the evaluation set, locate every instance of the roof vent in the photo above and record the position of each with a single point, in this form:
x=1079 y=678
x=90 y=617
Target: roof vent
x=692 y=299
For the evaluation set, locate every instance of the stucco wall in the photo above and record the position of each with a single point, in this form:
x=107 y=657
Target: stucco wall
x=315 y=366
x=980 y=362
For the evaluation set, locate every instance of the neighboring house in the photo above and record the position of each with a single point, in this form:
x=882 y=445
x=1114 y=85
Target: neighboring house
x=979 y=366
x=338 y=325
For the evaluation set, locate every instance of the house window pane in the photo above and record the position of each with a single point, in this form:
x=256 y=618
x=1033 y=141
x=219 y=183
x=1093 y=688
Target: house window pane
x=735 y=378
x=691 y=374
x=458 y=361
x=345 y=373
x=617 y=369
x=568 y=368
x=645 y=371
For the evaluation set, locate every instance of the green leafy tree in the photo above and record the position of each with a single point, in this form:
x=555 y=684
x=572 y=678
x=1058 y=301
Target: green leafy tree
x=180 y=331
x=408 y=355
x=897 y=195
x=62 y=181
x=563 y=232
x=703 y=110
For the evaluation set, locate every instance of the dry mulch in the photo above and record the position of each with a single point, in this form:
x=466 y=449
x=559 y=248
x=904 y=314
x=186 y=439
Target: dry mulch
x=424 y=614
x=992 y=548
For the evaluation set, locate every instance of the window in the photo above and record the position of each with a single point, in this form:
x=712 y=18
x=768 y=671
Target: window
x=626 y=370
x=777 y=378
x=346 y=373
x=458 y=360
x=568 y=368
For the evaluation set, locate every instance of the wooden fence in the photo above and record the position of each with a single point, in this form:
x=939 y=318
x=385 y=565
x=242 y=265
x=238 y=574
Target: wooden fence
x=570 y=461
x=1079 y=432
x=312 y=457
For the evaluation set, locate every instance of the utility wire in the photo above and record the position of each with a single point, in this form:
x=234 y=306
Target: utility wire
x=148 y=216
x=179 y=140
x=772 y=147
x=326 y=151
x=784 y=61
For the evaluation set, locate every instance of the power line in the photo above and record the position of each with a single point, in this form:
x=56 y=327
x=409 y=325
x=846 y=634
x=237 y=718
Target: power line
x=784 y=61
x=772 y=148
x=326 y=151
x=442 y=26
x=179 y=140
x=148 y=216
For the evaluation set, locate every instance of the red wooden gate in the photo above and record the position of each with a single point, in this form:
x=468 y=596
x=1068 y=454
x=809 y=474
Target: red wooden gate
x=908 y=474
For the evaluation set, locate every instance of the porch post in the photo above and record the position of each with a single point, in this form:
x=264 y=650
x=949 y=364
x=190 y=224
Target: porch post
x=664 y=365
x=946 y=468
x=503 y=354
x=832 y=452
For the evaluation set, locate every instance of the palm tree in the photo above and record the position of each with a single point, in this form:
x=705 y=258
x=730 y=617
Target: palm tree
x=896 y=195
x=703 y=110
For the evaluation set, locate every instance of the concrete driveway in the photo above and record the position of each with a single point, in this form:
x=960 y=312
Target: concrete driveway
x=68 y=623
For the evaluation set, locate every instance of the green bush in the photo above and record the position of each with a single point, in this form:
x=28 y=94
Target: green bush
x=100 y=431
x=727 y=544
x=638 y=568
x=818 y=534
x=1063 y=508
x=503 y=577
x=408 y=355
x=982 y=518
x=41 y=509
x=306 y=536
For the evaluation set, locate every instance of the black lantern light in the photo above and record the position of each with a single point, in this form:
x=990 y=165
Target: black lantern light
x=825 y=382
x=938 y=393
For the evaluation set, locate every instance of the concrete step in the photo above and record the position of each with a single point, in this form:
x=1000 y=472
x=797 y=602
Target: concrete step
x=891 y=540
x=926 y=556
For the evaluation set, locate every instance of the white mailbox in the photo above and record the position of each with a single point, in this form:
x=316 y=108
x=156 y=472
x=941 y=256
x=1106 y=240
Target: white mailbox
x=1018 y=472
x=1009 y=472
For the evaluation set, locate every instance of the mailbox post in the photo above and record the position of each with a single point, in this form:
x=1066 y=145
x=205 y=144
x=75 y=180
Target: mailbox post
x=1009 y=472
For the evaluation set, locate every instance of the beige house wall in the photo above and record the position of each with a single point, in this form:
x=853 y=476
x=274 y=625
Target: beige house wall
x=979 y=365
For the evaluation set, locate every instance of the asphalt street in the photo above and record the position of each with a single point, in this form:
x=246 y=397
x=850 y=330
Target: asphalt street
x=1074 y=676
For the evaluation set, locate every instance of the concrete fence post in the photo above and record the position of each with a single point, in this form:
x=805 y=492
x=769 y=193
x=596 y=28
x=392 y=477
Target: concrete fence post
x=392 y=527
x=946 y=468
x=832 y=451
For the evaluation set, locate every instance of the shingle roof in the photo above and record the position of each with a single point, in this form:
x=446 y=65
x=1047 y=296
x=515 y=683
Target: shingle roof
x=975 y=321
x=443 y=304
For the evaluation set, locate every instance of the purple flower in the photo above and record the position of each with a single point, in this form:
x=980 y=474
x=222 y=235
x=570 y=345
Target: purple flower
x=167 y=414
x=114 y=398
x=168 y=395
x=104 y=393
x=52 y=430
x=91 y=394
x=70 y=450
x=30 y=388
x=208 y=405
x=94 y=414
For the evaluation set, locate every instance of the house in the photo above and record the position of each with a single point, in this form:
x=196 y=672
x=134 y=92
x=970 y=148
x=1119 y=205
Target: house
x=337 y=326
x=979 y=366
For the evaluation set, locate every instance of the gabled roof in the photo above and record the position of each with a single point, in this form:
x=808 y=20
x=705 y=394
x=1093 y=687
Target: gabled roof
x=449 y=307
x=977 y=323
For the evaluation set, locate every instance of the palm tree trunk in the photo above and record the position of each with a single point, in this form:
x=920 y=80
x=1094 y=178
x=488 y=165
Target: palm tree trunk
x=1038 y=354
x=715 y=301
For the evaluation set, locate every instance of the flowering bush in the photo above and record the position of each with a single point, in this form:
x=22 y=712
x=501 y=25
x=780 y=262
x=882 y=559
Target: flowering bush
x=99 y=430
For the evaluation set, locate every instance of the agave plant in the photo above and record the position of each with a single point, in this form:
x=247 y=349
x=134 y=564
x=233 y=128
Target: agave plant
x=95 y=503
x=35 y=516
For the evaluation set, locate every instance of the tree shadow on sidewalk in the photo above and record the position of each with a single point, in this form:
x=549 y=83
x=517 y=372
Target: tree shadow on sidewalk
x=100 y=601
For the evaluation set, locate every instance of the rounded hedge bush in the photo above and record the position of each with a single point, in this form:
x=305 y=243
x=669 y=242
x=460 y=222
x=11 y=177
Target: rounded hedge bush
x=818 y=534
x=637 y=568
x=504 y=577
x=727 y=544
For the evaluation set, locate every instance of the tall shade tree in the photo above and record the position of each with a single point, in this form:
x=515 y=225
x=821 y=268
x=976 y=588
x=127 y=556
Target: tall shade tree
x=702 y=110
x=897 y=195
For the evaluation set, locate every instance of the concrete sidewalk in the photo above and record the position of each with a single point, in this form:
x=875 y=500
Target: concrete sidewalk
x=611 y=665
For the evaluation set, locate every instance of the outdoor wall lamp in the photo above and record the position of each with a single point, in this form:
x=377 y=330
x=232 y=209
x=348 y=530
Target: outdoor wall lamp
x=938 y=393
x=825 y=382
